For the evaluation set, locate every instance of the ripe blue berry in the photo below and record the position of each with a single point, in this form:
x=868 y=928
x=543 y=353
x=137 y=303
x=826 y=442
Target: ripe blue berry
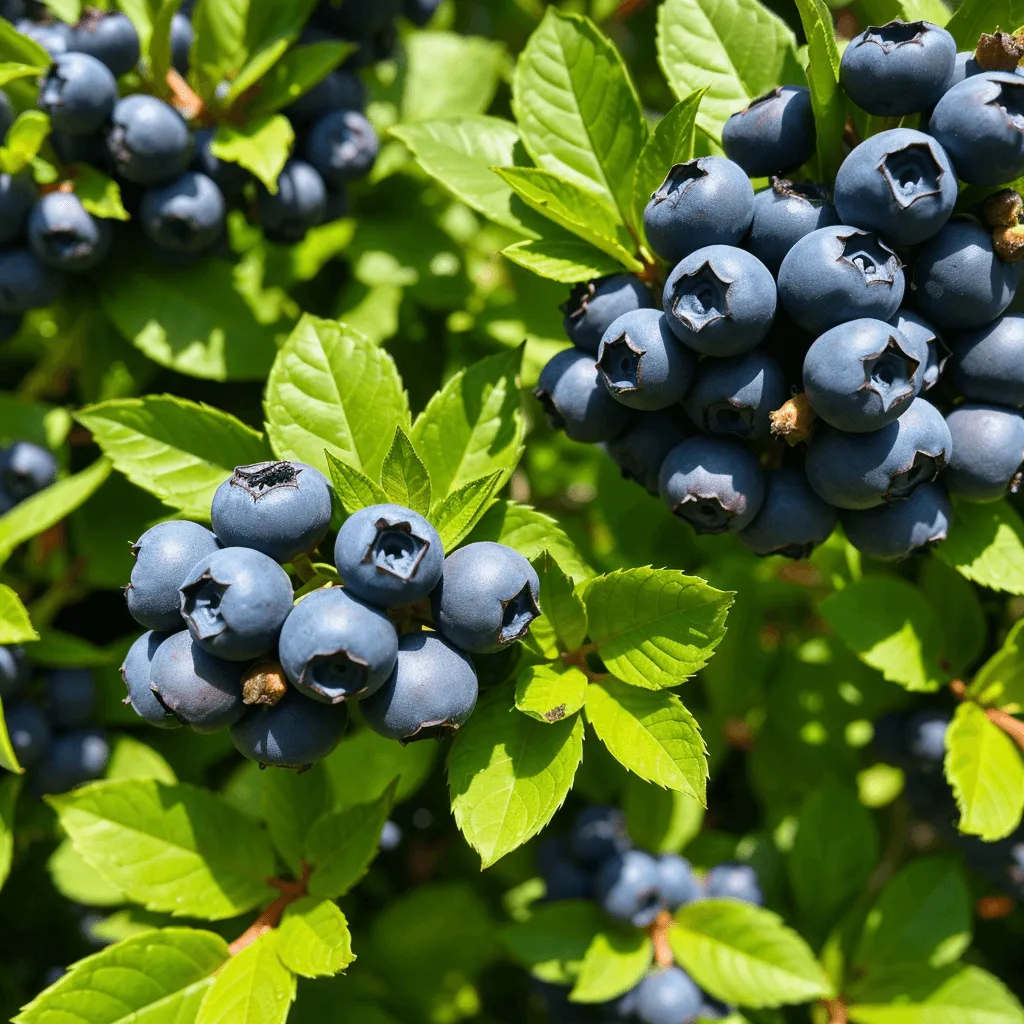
x=626 y=888
x=390 y=836
x=110 y=37
x=300 y=203
x=667 y=996
x=926 y=737
x=29 y=732
x=72 y=759
x=734 y=397
x=340 y=90
x=293 y=733
x=228 y=177
x=988 y=363
x=182 y=35
x=419 y=12
x=783 y=214
x=594 y=305
x=342 y=146
x=26 y=282
x=711 y=1009
x=13 y=671
x=185 y=215
x=774 y=134
x=148 y=140
x=598 y=834
x=792 y=521
x=564 y=879
x=575 y=400
x=334 y=648
x=136 y=673
x=65 y=236
x=676 y=882
x=54 y=36
x=733 y=881
x=70 y=696
x=988 y=451
x=917 y=330
x=388 y=555
x=641 y=449
x=895 y=531
x=78 y=93
x=25 y=469
x=17 y=196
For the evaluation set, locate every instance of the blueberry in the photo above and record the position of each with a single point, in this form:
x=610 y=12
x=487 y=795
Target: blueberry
x=356 y=19
x=980 y=124
x=594 y=305
x=903 y=528
x=29 y=732
x=202 y=691
x=783 y=214
x=182 y=35
x=148 y=140
x=733 y=397
x=720 y=301
x=342 y=146
x=25 y=470
x=988 y=364
x=419 y=12
x=857 y=471
x=228 y=177
x=53 y=36
x=676 y=882
x=293 y=733
x=564 y=879
x=714 y=484
x=280 y=508
x=774 y=134
x=667 y=996
x=487 y=597
x=988 y=451
x=71 y=694
x=84 y=149
x=898 y=68
x=185 y=215
x=575 y=399
x=334 y=648
x=707 y=201
x=917 y=330
x=926 y=737
x=388 y=555
x=712 y=1009
x=110 y=38
x=234 y=602
x=17 y=196
x=432 y=690
x=899 y=183
x=14 y=671
x=959 y=281
x=626 y=888
x=136 y=673
x=163 y=555
x=598 y=834
x=837 y=274
x=300 y=203
x=26 y=282
x=733 y=881
x=390 y=836
x=72 y=759
x=792 y=521
x=339 y=90
x=965 y=66
x=78 y=93
x=641 y=449
x=65 y=236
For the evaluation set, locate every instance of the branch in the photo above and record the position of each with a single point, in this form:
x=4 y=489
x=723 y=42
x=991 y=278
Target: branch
x=836 y=1011
x=271 y=917
x=183 y=98
x=1013 y=727
x=659 y=936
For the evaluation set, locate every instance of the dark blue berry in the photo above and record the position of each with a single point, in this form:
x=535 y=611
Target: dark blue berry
x=339 y=90
x=228 y=177
x=342 y=146
x=926 y=737
x=626 y=888
x=70 y=696
x=598 y=834
x=575 y=400
x=988 y=451
x=564 y=879
x=136 y=673
x=53 y=36
x=299 y=204
x=641 y=449
x=185 y=215
x=676 y=882
x=17 y=196
x=774 y=134
x=13 y=671
x=783 y=214
x=29 y=732
x=988 y=363
x=895 y=531
x=667 y=996
x=182 y=35
x=72 y=759
x=917 y=330
x=734 y=397
x=109 y=37
x=792 y=521
x=26 y=282
x=25 y=470
x=594 y=305
x=65 y=236
x=733 y=881
x=148 y=140
x=293 y=733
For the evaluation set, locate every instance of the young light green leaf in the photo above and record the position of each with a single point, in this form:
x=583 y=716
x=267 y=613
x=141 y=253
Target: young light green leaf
x=160 y=975
x=261 y=146
x=986 y=544
x=508 y=774
x=563 y=626
x=14 y=46
x=364 y=764
x=98 y=193
x=159 y=44
x=354 y=489
x=878 y=12
x=177 y=849
x=15 y=625
x=565 y=259
x=432 y=91
x=550 y=693
x=132 y=759
x=554 y=941
x=592 y=136
x=178 y=450
x=296 y=73
x=254 y=987
x=652 y=734
x=75 y=878
x=655 y=627
x=291 y=803
x=24 y=139
x=314 y=939
x=404 y=477
x=745 y=954
x=11 y=71
x=614 y=962
x=957 y=601
x=660 y=820
x=455 y=515
x=1000 y=681
x=219 y=49
x=973 y=17
x=985 y=769
x=8 y=755
x=9 y=789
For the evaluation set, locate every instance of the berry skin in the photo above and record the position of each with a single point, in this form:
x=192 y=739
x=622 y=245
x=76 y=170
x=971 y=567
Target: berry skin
x=988 y=451
x=228 y=177
x=892 y=532
x=707 y=201
x=73 y=758
x=575 y=400
x=626 y=888
x=163 y=556
x=17 y=196
x=959 y=281
x=486 y=598
x=667 y=996
x=71 y=694
x=202 y=691
x=13 y=671
x=676 y=882
x=110 y=38
x=54 y=37
x=25 y=469
x=783 y=214
x=792 y=521
x=917 y=330
x=715 y=485
x=29 y=732
x=837 y=274
x=732 y=881
x=926 y=737
x=342 y=146
x=733 y=397
x=898 y=68
x=899 y=183
x=389 y=555
x=598 y=834
x=340 y=90
x=987 y=364
x=965 y=66
x=390 y=836
x=858 y=471
x=26 y=282
x=136 y=672
x=148 y=140
x=774 y=134
x=712 y=1009
x=280 y=508
x=564 y=879
x=78 y=93
x=185 y=215
x=334 y=648
x=293 y=733
x=433 y=689
x=720 y=301
x=642 y=363
x=419 y=12
x=863 y=374
x=300 y=203
x=182 y=35
x=65 y=236
x=594 y=305
x=234 y=602
x=642 y=448
x=980 y=124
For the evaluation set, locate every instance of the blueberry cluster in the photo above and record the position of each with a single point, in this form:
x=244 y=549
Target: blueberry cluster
x=229 y=646
x=822 y=315
x=598 y=861
x=25 y=469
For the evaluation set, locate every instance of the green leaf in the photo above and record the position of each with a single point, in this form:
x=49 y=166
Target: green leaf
x=140 y=13
x=745 y=954
x=364 y=764
x=314 y=939
x=354 y=489
x=296 y=73
x=973 y=17
x=20 y=48
x=66 y=10
x=331 y=389
x=46 y=508
x=878 y=12
x=98 y=192
x=254 y=987
x=177 y=849
x=9 y=789
x=985 y=769
x=957 y=602
x=508 y=774
x=615 y=961
x=563 y=626
x=132 y=759
x=564 y=259
x=8 y=756
x=660 y=820
x=15 y=625
x=986 y=544
x=573 y=128
x=219 y=47
x=404 y=477
x=159 y=44
x=76 y=879
x=652 y=734
x=737 y=49
x=432 y=91
x=655 y=627
x=554 y=941
x=158 y=976
x=455 y=515
x=1000 y=681
x=178 y=450
x=24 y=140
x=11 y=71
x=291 y=803
x=889 y=625
x=341 y=844
x=550 y=693
x=261 y=146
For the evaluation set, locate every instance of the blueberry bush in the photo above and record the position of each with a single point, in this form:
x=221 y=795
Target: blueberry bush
x=509 y=511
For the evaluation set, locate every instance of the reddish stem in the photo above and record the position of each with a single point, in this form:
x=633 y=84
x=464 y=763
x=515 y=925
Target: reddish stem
x=836 y=1011
x=659 y=936
x=1013 y=727
x=187 y=102
x=628 y=7
x=271 y=917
